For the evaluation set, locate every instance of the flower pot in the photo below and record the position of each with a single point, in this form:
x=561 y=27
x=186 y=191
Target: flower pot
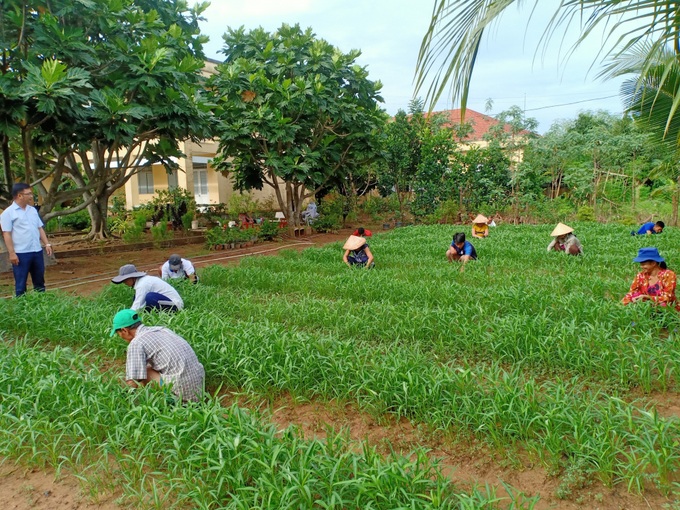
x=386 y=226
x=194 y=224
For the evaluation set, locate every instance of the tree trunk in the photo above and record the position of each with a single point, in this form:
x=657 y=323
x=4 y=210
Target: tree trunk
x=98 y=211
x=674 y=219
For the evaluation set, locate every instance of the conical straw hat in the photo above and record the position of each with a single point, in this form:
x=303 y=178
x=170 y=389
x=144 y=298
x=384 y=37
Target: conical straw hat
x=561 y=229
x=354 y=242
x=480 y=219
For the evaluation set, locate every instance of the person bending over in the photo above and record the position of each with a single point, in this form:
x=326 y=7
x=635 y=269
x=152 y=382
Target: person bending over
x=151 y=293
x=461 y=250
x=650 y=228
x=178 y=268
x=565 y=240
x=158 y=354
x=357 y=253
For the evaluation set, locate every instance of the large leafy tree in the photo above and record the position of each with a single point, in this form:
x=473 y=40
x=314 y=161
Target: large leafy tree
x=450 y=46
x=93 y=90
x=652 y=96
x=293 y=113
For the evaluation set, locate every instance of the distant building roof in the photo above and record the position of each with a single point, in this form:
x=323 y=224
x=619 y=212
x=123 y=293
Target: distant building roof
x=480 y=123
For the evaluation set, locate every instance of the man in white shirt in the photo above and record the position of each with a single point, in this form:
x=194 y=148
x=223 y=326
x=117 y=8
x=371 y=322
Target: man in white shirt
x=22 y=231
x=177 y=267
x=151 y=293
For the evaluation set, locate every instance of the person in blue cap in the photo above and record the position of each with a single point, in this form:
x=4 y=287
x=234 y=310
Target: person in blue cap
x=650 y=228
x=655 y=282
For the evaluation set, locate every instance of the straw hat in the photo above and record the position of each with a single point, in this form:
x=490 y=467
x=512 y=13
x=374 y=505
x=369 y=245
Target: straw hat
x=354 y=242
x=561 y=229
x=480 y=219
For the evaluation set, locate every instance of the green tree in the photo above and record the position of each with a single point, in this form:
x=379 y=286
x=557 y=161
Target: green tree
x=92 y=91
x=450 y=45
x=293 y=112
x=652 y=96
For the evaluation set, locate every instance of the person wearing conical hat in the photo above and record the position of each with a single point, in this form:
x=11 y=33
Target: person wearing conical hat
x=655 y=282
x=357 y=253
x=480 y=226
x=565 y=240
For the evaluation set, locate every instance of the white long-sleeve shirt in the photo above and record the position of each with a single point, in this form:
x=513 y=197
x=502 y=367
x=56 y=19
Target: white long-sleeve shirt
x=146 y=284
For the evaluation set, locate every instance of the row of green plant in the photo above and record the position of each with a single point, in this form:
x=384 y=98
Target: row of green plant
x=266 y=231
x=524 y=349
x=59 y=410
x=563 y=422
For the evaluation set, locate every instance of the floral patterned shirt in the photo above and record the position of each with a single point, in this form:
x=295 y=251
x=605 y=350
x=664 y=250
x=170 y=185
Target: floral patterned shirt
x=662 y=292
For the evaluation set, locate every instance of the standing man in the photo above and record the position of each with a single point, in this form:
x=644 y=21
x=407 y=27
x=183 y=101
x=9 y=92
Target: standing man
x=151 y=293
x=158 y=354
x=22 y=230
x=177 y=267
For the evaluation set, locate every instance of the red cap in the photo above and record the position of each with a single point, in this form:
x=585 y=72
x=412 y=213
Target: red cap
x=367 y=233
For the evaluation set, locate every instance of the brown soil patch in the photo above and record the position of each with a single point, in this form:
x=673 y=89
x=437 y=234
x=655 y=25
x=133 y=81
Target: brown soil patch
x=24 y=488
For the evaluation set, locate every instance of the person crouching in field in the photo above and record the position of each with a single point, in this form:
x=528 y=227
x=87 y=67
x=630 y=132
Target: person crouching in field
x=461 y=250
x=565 y=240
x=480 y=226
x=151 y=293
x=357 y=253
x=655 y=282
x=158 y=354
x=650 y=228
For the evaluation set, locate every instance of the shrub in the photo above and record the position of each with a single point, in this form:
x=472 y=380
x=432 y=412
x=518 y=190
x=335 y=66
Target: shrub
x=330 y=223
x=269 y=230
x=585 y=213
x=77 y=221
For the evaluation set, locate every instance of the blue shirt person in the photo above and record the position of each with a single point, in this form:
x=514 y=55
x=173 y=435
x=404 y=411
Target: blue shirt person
x=650 y=228
x=461 y=250
x=23 y=232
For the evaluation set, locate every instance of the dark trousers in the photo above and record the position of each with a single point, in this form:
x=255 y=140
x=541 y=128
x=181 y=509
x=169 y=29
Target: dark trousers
x=29 y=263
x=157 y=301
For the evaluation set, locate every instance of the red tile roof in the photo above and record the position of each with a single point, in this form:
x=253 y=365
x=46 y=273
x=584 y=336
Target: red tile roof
x=480 y=123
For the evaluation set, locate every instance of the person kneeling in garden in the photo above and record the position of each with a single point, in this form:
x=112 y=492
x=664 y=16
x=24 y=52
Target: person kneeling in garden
x=480 y=226
x=158 y=354
x=151 y=293
x=461 y=250
x=650 y=228
x=655 y=282
x=565 y=240
x=357 y=253
x=178 y=268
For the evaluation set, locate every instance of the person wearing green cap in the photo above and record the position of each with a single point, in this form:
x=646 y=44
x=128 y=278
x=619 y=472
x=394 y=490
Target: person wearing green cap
x=158 y=354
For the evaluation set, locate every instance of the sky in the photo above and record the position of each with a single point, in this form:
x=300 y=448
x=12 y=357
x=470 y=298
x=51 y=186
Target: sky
x=509 y=71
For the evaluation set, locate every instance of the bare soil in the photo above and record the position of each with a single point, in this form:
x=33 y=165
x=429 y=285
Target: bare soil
x=466 y=462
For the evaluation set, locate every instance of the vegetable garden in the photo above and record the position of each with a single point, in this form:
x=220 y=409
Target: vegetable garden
x=526 y=351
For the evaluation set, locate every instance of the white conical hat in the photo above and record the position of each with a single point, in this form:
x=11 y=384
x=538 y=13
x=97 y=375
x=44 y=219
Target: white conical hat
x=480 y=219
x=354 y=242
x=561 y=229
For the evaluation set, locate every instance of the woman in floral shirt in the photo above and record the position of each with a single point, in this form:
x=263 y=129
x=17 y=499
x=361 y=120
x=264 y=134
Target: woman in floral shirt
x=655 y=282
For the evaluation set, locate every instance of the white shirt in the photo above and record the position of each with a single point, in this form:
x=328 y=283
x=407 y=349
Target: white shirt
x=24 y=226
x=186 y=270
x=146 y=284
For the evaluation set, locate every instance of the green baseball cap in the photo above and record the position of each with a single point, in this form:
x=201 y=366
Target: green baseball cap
x=124 y=319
